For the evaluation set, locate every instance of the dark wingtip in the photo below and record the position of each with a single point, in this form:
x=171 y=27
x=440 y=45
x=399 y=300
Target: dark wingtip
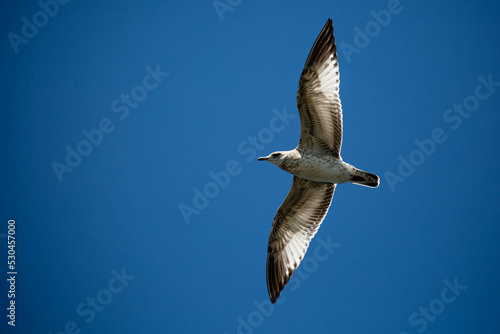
x=323 y=46
x=329 y=23
x=276 y=277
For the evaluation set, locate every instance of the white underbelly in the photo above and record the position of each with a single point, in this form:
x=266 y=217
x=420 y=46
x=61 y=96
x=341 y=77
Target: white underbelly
x=323 y=172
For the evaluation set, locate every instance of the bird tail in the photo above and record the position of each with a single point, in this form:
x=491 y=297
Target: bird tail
x=365 y=179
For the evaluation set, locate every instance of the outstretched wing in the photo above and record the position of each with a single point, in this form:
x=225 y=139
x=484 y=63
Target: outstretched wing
x=294 y=225
x=318 y=98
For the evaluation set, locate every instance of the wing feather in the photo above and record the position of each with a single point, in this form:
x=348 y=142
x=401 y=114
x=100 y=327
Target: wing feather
x=318 y=98
x=294 y=225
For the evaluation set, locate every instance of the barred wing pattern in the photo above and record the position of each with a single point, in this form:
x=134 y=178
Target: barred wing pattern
x=318 y=98
x=294 y=225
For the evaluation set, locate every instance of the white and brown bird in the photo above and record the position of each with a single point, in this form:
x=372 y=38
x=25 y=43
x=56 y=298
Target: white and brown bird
x=316 y=164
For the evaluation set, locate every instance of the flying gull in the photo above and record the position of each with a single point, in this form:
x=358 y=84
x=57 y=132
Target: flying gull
x=316 y=164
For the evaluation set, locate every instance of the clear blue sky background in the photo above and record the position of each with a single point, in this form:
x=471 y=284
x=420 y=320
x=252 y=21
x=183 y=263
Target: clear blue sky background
x=119 y=208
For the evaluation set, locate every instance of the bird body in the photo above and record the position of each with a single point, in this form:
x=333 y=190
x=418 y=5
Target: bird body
x=316 y=164
x=321 y=168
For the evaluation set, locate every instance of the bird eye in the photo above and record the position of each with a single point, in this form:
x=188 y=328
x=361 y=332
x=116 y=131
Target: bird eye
x=276 y=155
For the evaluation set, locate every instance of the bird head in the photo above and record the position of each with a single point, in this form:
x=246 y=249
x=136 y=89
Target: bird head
x=277 y=158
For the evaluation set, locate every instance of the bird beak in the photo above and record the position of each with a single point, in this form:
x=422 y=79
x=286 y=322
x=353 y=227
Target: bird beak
x=263 y=158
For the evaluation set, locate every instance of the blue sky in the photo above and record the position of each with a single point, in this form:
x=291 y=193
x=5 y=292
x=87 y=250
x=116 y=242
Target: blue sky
x=130 y=132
